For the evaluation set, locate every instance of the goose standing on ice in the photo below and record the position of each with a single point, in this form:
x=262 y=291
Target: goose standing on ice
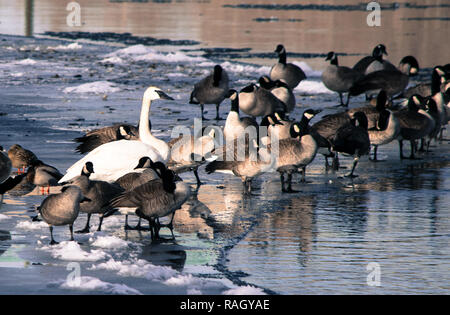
x=280 y=89
x=211 y=90
x=293 y=153
x=287 y=72
x=20 y=157
x=9 y=184
x=188 y=153
x=338 y=78
x=235 y=125
x=43 y=175
x=97 y=137
x=114 y=159
x=387 y=127
x=415 y=124
x=353 y=139
x=62 y=209
x=374 y=62
x=99 y=193
x=5 y=166
x=155 y=199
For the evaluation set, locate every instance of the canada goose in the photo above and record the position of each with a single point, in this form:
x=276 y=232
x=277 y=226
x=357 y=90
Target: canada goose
x=294 y=153
x=125 y=152
x=282 y=129
x=414 y=124
x=235 y=125
x=62 y=209
x=20 y=157
x=244 y=160
x=256 y=101
x=432 y=110
x=188 y=153
x=100 y=194
x=352 y=139
x=280 y=89
x=287 y=72
x=387 y=126
x=97 y=137
x=141 y=174
x=5 y=165
x=392 y=81
x=437 y=78
x=42 y=175
x=155 y=199
x=338 y=78
x=375 y=62
x=211 y=90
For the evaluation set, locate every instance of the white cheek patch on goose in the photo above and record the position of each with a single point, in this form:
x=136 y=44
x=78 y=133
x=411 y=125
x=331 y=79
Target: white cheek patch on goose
x=309 y=116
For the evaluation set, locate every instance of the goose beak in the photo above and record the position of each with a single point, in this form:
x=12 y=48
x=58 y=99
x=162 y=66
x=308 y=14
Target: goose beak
x=163 y=95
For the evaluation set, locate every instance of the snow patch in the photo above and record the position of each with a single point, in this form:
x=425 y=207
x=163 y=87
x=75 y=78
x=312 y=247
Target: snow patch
x=109 y=242
x=312 y=87
x=95 y=284
x=26 y=62
x=245 y=290
x=4 y=217
x=72 y=251
x=31 y=226
x=98 y=87
x=71 y=46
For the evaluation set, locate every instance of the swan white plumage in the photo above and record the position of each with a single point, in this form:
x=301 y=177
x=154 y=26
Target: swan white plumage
x=115 y=159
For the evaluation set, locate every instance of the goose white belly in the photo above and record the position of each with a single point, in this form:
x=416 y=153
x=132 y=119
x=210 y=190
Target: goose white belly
x=113 y=160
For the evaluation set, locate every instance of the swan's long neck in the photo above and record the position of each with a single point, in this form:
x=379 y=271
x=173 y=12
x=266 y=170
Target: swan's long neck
x=144 y=131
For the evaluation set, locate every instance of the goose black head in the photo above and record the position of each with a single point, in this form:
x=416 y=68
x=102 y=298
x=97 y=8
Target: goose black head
x=281 y=83
x=379 y=51
x=280 y=49
x=297 y=131
x=310 y=113
x=169 y=178
x=231 y=94
x=124 y=132
x=430 y=105
x=266 y=83
x=144 y=162
x=360 y=120
x=332 y=57
x=279 y=115
x=88 y=169
x=415 y=102
x=409 y=65
x=158 y=167
x=163 y=95
x=249 y=88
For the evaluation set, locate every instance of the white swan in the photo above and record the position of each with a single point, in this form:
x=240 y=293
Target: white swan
x=115 y=159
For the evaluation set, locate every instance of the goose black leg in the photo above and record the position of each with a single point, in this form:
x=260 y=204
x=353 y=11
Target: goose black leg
x=375 y=150
x=355 y=162
x=282 y=182
x=199 y=183
x=86 y=228
x=289 y=188
x=100 y=224
x=348 y=100
x=400 y=148
x=52 y=242
x=335 y=164
x=203 y=117
x=71 y=232
x=303 y=180
x=217 y=112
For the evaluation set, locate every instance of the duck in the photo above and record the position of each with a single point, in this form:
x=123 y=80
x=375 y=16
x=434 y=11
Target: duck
x=155 y=199
x=100 y=193
x=235 y=126
x=244 y=160
x=387 y=126
x=62 y=209
x=392 y=81
x=293 y=153
x=125 y=152
x=339 y=78
x=188 y=153
x=374 y=62
x=97 y=137
x=43 y=175
x=5 y=165
x=281 y=91
x=211 y=90
x=415 y=124
x=258 y=102
x=20 y=157
x=291 y=74
x=353 y=139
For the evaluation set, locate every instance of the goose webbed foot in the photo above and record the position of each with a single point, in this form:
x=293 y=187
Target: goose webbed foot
x=219 y=118
x=204 y=118
x=350 y=175
x=83 y=231
x=53 y=242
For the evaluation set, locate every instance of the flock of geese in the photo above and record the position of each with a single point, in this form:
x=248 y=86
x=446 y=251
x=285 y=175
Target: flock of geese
x=127 y=168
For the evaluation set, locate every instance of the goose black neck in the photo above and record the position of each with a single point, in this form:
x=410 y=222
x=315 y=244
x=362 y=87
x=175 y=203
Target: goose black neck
x=235 y=104
x=334 y=61
x=168 y=182
x=282 y=57
x=435 y=82
x=217 y=75
x=383 y=120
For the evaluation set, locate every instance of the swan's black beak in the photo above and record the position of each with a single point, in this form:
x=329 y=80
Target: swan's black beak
x=163 y=95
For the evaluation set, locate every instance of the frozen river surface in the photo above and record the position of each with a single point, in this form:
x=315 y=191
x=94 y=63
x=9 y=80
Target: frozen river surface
x=328 y=238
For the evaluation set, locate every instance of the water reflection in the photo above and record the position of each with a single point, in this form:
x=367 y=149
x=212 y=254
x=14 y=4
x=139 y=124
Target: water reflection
x=164 y=254
x=5 y=236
